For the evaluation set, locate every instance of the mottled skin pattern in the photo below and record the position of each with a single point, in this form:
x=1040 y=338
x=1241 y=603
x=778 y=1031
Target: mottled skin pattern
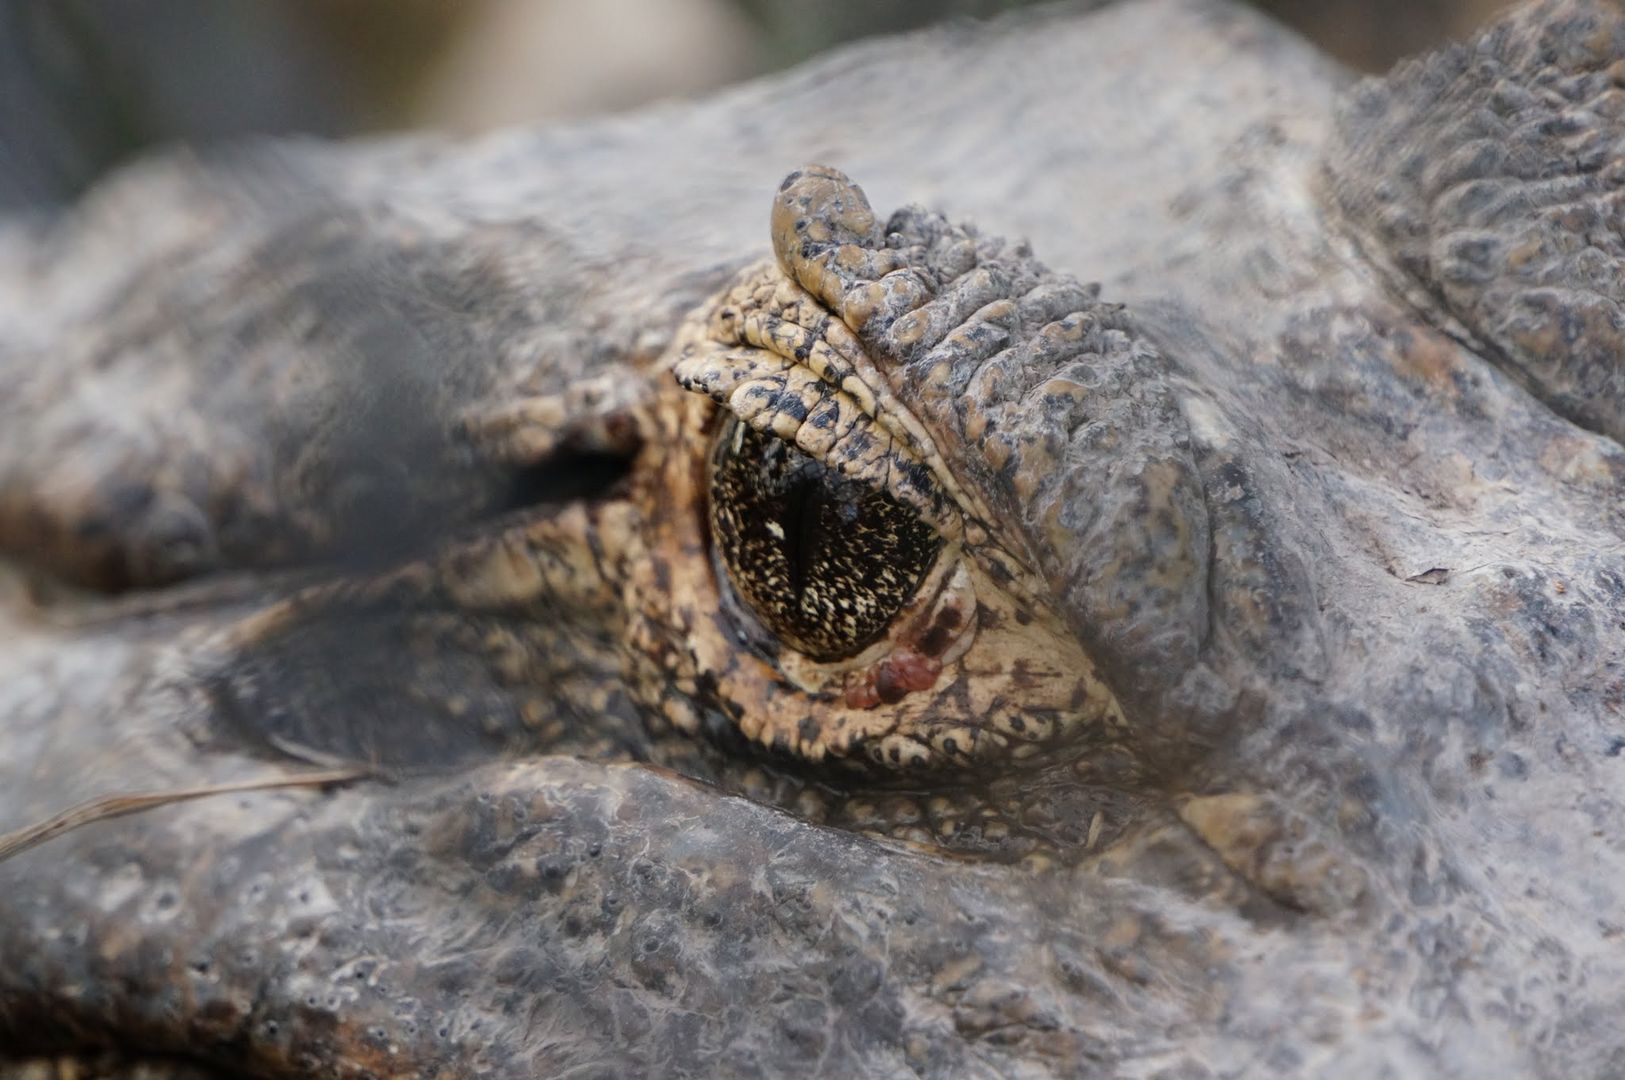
x=1277 y=726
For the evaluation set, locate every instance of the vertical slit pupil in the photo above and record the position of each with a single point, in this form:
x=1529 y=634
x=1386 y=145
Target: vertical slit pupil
x=800 y=526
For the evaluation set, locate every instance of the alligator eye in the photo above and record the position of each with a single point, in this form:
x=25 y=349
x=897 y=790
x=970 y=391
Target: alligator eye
x=823 y=561
x=876 y=405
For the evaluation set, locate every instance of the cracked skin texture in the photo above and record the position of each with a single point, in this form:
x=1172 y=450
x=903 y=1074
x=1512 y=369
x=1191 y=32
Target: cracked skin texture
x=1279 y=484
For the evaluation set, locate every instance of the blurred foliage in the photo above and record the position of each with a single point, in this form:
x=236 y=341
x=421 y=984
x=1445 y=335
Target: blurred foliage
x=1366 y=34
x=794 y=31
x=86 y=83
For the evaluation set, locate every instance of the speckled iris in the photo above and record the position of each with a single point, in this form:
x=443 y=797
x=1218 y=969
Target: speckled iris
x=823 y=561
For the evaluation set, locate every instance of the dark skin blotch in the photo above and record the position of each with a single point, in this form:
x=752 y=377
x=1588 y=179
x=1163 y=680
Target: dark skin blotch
x=935 y=641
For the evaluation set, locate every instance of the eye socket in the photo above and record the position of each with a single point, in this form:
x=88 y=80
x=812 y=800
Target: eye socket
x=823 y=561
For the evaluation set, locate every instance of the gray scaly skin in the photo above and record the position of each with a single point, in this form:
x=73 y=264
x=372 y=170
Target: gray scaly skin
x=1295 y=546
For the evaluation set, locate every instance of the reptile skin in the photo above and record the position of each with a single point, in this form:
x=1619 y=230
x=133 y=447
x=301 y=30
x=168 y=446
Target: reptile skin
x=1086 y=545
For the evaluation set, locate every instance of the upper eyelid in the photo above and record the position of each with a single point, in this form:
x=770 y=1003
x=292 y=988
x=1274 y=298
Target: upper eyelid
x=770 y=313
x=872 y=435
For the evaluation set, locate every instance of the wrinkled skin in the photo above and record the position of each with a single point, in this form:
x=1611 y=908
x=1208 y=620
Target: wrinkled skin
x=394 y=454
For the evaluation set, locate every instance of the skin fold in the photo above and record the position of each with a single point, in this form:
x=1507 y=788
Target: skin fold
x=1258 y=711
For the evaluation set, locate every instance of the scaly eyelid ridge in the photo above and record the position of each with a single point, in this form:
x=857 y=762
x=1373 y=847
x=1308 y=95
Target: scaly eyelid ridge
x=807 y=385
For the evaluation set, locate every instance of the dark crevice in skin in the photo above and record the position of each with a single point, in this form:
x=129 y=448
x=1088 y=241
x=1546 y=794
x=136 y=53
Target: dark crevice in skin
x=565 y=477
x=568 y=476
x=862 y=800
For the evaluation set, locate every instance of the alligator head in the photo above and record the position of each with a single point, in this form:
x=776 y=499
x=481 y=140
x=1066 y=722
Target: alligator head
x=1187 y=643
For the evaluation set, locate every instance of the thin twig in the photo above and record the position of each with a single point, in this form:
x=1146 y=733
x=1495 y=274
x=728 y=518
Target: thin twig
x=112 y=806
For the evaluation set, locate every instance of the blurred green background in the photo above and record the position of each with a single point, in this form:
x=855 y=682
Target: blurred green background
x=85 y=84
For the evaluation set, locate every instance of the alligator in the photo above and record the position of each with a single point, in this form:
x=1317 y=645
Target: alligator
x=1153 y=605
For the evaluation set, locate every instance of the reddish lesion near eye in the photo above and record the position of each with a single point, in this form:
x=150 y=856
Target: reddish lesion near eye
x=893 y=679
x=914 y=665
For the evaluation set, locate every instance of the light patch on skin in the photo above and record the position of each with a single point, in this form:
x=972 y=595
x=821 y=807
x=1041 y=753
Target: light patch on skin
x=1284 y=854
x=1207 y=426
